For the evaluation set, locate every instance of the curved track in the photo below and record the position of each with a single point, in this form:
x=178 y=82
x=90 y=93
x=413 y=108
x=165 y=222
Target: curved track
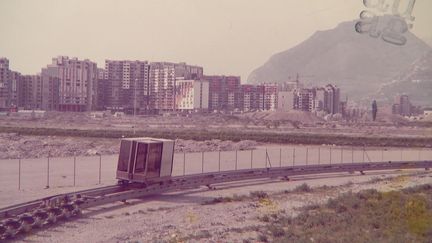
x=23 y=217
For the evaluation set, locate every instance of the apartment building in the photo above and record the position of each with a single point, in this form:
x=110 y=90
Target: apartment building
x=303 y=99
x=405 y=105
x=162 y=83
x=250 y=97
x=402 y=106
x=285 y=101
x=225 y=92
x=38 y=92
x=15 y=86
x=31 y=92
x=125 y=85
x=4 y=83
x=192 y=95
x=78 y=81
x=331 y=99
x=270 y=96
x=319 y=99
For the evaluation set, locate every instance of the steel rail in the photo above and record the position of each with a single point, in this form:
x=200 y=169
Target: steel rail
x=22 y=217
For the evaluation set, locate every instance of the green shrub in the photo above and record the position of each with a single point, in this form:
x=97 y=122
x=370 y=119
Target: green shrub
x=258 y=194
x=303 y=188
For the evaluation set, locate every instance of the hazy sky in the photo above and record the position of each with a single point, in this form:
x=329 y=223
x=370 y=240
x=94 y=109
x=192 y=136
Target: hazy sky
x=229 y=37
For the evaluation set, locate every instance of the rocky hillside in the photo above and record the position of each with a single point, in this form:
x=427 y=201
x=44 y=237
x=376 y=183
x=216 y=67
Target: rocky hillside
x=358 y=63
x=415 y=81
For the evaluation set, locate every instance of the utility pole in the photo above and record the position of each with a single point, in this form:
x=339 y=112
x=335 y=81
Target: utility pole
x=134 y=109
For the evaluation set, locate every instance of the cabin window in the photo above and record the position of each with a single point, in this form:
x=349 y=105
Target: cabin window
x=141 y=157
x=124 y=156
x=154 y=160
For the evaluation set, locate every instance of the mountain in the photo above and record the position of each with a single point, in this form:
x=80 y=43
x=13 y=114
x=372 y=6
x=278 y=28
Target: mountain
x=415 y=81
x=357 y=63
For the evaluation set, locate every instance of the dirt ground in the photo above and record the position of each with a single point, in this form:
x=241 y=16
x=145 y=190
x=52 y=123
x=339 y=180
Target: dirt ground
x=263 y=121
x=14 y=146
x=192 y=216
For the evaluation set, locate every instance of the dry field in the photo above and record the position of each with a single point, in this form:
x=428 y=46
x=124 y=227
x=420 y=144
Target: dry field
x=256 y=211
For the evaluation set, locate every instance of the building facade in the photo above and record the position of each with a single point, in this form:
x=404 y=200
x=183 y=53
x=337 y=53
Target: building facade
x=270 y=96
x=15 y=87
x=250 y=97
x=125 y=85
x=192 y=95
x=402 y=106
x=225 y=92
x=38 y=92
x=331 y=99
x=285 y=101
x=78 y=81
x=4 y=84
x=405 y=105
x=162 y=83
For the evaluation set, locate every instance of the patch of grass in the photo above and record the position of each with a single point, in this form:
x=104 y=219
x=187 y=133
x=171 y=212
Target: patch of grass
x=264 y=218
x=349 y=183
x=366 y=216
x=312 y=206
x=262 y=238
x=276 y=230
x=325 y=187
x=376 y=179
x=163 y=208
x=202 y=234
x=258 y=194
x=286 y=191
x=303 y=188
x=234 y=198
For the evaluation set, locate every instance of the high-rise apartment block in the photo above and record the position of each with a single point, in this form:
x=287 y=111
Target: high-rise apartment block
x=251 y=97
x=125 y=85
x=285 y=100
x=4 y=83
x=225 y=92
x=405 y=105
x=15 y=87
x=31 y=92
x=163 y=78
x=331 y=99
x=78 y=81
x=270 y=96
x=38 y=92
x=402 y=106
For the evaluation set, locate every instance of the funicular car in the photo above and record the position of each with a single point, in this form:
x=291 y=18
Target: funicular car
x=145 y=160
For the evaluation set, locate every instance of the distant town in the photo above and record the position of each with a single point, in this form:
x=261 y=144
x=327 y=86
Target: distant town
x=142 y=87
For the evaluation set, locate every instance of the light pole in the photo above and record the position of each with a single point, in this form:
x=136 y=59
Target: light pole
x=134 y=110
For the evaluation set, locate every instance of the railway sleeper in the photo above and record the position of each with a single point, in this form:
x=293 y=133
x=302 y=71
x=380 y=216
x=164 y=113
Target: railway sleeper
x=40 y=216
x=2 y=230
x=54 y=214
x=27 y=221
x=12 y=227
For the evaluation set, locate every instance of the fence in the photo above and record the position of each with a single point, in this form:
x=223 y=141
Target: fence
x=84 y=171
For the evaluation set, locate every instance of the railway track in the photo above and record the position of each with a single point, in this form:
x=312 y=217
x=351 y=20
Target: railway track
x=23 y=217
